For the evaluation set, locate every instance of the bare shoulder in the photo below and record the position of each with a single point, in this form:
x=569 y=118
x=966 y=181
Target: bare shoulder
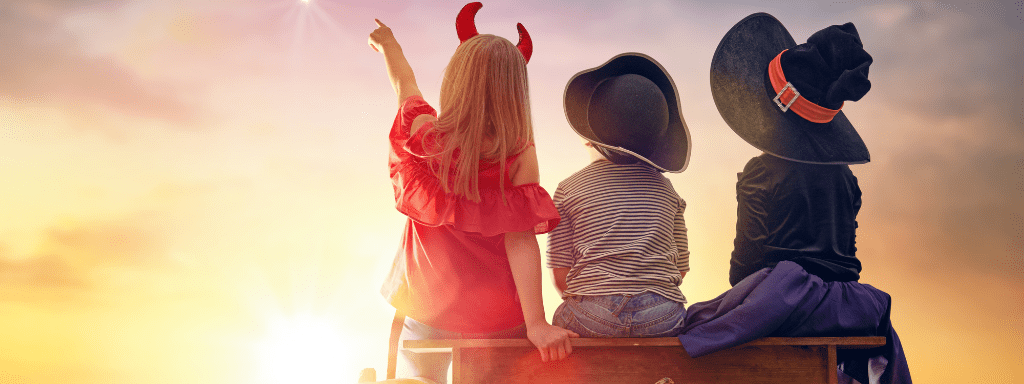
x=419 y=121
x=525 y=169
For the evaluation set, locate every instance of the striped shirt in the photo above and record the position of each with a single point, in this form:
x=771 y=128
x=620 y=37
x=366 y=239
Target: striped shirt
x=622 y=232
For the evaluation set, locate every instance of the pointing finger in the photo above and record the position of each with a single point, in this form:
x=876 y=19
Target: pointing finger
x=379 y=24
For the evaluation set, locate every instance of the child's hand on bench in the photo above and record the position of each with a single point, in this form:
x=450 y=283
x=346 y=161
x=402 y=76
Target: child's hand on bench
x=551 y=341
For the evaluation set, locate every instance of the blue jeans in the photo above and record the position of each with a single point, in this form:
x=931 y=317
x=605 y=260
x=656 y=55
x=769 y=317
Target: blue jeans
x=644 y=315
x=434 y=366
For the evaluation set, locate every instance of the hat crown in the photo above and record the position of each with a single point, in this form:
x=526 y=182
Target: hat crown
x=831 y=67
x=629 y=111
x=667 y=149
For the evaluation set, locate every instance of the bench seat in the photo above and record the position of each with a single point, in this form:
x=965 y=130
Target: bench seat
x=645 y=361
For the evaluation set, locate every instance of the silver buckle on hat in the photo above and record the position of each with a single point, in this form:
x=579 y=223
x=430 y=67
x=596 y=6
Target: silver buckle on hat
x=778 y=98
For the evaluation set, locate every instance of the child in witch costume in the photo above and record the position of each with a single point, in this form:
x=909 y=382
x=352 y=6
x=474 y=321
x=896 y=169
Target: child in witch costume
x=467 y=178
x=794 y=269
x=620 y=252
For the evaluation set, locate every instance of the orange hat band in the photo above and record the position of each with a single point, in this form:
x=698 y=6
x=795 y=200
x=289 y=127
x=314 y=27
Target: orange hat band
x=788 y=98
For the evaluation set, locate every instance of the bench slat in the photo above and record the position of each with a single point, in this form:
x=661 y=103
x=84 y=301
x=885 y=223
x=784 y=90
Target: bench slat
x=426 y=346
x=770 y=364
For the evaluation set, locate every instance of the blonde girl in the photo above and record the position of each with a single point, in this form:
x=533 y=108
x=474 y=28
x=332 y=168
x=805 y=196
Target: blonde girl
x=467 y=178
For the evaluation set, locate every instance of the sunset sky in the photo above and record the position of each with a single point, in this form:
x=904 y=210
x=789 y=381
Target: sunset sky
x=196 y=191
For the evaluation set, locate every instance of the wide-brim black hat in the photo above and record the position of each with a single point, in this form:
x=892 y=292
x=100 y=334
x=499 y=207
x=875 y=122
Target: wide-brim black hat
x=744 y=96
x=668 y=153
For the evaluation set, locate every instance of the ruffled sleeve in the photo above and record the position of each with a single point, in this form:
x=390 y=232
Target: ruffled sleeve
x=418 y=192
x=405 y=147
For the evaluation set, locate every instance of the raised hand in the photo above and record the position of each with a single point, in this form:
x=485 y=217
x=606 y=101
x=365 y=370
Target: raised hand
x=380 y=37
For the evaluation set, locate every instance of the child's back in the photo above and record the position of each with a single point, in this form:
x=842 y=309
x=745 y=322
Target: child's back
x=622 y=232
x=620 y=251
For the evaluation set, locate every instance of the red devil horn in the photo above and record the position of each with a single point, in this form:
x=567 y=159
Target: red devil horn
x=465 y=25
x=525 y=43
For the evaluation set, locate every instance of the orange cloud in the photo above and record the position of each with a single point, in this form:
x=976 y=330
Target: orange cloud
x=135 y=241
x=48 y=271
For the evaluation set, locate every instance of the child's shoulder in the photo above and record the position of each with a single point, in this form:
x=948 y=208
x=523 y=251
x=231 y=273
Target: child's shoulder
x=616 y=179
x=523 y=168
x=604 y=172
x=603 y=169
x=585 y=174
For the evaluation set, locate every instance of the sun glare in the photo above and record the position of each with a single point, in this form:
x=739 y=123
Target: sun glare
x=303 y=349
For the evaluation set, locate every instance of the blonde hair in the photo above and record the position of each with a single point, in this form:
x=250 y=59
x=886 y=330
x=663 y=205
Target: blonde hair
x=485 y=112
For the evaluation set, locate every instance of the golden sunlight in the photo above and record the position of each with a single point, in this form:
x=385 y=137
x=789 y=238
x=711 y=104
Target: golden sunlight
x=303 y=349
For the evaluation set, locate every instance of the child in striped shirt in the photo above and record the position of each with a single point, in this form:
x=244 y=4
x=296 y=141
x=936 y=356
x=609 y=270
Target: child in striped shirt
x=620 y=252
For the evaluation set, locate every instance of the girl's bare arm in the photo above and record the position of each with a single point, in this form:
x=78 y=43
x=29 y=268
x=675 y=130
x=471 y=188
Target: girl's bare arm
x=402 y=78
x=524 y=258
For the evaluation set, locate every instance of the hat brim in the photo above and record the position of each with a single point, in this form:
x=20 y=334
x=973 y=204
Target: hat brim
x=744 y=99
x=672 y=152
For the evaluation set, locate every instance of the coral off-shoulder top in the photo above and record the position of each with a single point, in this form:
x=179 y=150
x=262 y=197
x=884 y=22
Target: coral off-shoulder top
x=451 y=271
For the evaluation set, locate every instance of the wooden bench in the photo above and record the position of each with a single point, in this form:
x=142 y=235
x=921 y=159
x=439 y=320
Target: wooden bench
x=645 y=361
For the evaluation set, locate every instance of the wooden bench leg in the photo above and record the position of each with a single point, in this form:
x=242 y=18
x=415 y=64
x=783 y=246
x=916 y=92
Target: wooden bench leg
x=396 y=331
x=457 y=374
x=831 y=365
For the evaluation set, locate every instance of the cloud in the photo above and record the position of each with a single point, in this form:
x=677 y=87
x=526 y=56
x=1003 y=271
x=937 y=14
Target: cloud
x=43 y=62
x=945 y=63
x=48 y=271
x=140 y=240
x=1007 y=13
x=943 y=122
x=71 y=253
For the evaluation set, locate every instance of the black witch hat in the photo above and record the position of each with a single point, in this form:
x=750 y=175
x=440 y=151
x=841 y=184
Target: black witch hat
x=786 y=99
